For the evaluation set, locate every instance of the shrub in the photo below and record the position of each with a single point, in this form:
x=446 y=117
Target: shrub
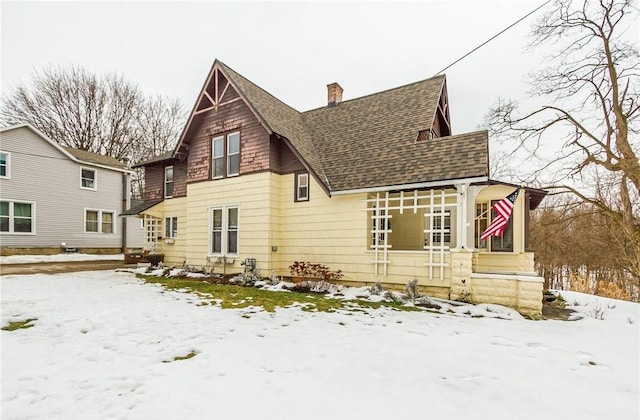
x=310 y=286
x=314 y=271
x=377 y=289
x=411 y=290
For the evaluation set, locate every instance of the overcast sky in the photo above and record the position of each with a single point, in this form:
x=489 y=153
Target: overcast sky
x=291 y=49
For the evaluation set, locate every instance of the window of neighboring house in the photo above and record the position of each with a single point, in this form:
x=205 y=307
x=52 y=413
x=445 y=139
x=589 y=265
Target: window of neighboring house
x=171 y=227
x=88 y=179
x=481 y=223
x=224 y=230
x=502 y=243
x=302 y=187
x=99 y=221
x=225 y=155
x=5 y=165
x=17 y=217
x=168 y=182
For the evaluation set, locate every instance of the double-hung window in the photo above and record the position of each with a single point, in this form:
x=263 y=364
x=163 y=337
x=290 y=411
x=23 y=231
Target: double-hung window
x=484 y=215
x=17 y=217
x=503 y=243
x=302 y=187
x=225 y=155
x=5 y=165
x=88 y=179
x=99 y=221
x=171 y=227
x=168 y=182
x=224 y=224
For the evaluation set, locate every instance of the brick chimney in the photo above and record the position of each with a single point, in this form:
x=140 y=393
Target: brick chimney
x=334 y=94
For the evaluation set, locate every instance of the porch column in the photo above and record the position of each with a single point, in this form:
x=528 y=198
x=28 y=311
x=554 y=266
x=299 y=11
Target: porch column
x=461 y=219
x=471 y=194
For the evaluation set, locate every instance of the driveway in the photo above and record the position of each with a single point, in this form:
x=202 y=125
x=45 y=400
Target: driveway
x=60 y=267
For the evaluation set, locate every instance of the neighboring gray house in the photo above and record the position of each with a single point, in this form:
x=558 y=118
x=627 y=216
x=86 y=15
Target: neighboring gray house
x=52 y=197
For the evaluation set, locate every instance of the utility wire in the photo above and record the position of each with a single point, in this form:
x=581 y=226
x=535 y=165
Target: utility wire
x=494 y=37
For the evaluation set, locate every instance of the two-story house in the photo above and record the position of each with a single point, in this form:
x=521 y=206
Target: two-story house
x=54 y=197
x=376 y=186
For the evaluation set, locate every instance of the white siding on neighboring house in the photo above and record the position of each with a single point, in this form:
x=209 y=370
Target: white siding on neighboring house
x=42 y=174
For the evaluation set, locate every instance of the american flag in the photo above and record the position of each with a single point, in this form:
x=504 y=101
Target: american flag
x=503 y=210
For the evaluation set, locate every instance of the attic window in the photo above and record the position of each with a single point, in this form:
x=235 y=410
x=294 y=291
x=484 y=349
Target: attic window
x=424 y=135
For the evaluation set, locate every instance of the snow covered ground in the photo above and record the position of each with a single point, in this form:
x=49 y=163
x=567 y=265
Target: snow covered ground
x=104 y=343
x=29 y=259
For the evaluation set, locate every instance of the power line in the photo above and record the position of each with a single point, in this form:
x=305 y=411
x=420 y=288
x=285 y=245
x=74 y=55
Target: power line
x=494 y=37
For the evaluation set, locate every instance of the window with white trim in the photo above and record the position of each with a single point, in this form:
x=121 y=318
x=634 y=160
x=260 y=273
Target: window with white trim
x=224 y=222
x=484 y=215
x=17 y=217
x=5 y=164
x=88 y=179
x=225 y=155
x=302 y=187
x=171 y=227
x=168 y=182
x=503 y=243
x=99 y=221
x=481 y=223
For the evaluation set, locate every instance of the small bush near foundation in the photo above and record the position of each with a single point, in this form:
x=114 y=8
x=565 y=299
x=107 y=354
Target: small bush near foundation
x=314 y=271
x=377 y=289
x=394 y=297
x=310 y=286
x=245 y=279
x=411 y=290
x=426 y=302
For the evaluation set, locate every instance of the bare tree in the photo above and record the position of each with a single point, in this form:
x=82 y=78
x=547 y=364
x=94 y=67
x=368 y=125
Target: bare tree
x=592 y=89
x=106 y=115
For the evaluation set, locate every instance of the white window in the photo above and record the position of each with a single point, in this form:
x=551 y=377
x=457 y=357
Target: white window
x=99 y=221
x=218 y=157
x=302 y=187
x=225 y=155
x=481 y=223
x=5 y=165
x=17 y=217
x=88 y=179
x=233 y=154
x=224 y=230
x=168 y=182
x=171 y=227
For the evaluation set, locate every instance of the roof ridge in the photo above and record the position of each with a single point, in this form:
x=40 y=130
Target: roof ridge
x=258 y=86
x=378 y=93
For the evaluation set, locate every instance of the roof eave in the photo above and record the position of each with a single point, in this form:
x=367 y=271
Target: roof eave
x=413 y=186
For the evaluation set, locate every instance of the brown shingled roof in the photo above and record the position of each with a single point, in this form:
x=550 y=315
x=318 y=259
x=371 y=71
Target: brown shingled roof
x=370 y=142
x=91 y=157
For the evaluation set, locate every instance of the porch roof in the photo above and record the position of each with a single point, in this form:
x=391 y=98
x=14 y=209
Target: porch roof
x=141 y=207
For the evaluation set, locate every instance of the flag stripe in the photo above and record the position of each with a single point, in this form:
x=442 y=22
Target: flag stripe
x=503 y=209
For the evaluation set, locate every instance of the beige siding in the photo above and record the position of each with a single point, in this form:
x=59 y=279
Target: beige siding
x=251 y=194
x=174 y=253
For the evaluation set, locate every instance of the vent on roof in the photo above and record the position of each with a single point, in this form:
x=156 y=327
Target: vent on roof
x=334 y=94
